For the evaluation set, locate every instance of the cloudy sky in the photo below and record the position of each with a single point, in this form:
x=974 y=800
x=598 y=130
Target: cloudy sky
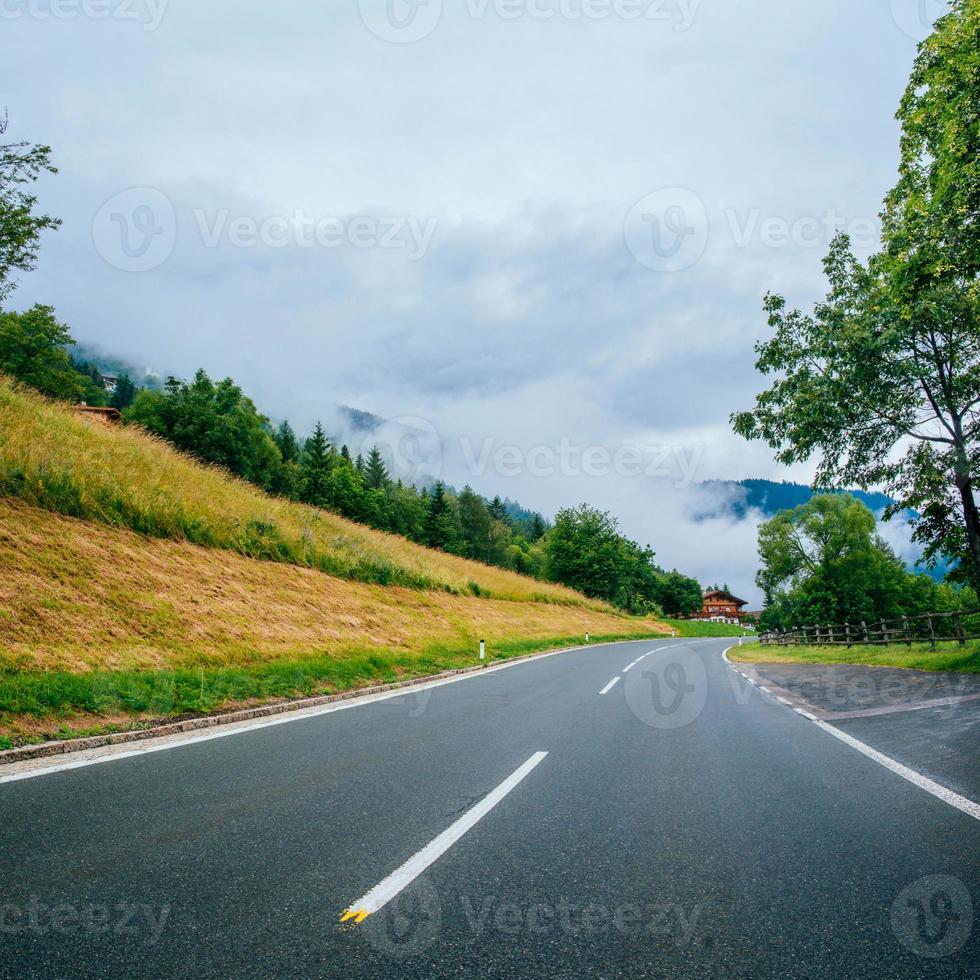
x=537 y=232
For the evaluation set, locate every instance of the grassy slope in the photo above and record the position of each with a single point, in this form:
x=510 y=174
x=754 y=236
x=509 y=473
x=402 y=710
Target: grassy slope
x=949 y=656
x=138 y=584
x=101 y=628
x=695 y=627
x=127 y=478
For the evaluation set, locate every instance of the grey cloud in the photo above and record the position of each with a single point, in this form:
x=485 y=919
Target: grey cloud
x=528 y=143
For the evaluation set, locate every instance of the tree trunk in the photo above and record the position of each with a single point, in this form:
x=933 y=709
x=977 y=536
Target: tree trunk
x=971 y=518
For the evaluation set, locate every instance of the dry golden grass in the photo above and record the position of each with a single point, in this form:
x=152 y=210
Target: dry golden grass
x=75 y=596
x=125 y=477
x=101 y=628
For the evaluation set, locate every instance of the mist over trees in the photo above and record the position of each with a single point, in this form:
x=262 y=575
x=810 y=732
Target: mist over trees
x=218 y=424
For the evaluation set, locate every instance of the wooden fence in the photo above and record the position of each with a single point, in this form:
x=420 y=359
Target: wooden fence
x=939 y=627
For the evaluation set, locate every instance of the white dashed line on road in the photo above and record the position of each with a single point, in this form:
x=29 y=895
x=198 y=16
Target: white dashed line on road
x=398 y=880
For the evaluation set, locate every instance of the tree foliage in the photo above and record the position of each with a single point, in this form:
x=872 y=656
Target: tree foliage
x=20 y=227
x=881 y=382
x=33 y=350
x=215 y=422
x=585 y=550
x=124 y=393
x=823 y=562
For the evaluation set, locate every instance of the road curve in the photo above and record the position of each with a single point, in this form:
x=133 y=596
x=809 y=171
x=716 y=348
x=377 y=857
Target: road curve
x=629 y=810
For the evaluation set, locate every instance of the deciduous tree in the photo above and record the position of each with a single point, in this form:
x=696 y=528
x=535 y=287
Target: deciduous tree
x=882 y=381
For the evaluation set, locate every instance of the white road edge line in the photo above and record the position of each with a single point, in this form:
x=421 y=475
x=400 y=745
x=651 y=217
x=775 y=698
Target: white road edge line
x=399 y=879
x=923 y=782
x=916 y=778
x=610 y=685
x=193 y=738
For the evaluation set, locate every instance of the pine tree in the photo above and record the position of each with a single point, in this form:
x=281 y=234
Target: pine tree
x=537 y=528
x=476 y=525
x=375 y=472
x=316 y=468
x=124 y=394
x=498 y=511
x=441 y=525
x=286 y=441
x=345 y=454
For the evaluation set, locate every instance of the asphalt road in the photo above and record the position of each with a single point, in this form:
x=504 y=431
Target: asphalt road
x=681 y=824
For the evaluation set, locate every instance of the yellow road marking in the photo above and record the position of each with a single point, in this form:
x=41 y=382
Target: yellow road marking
x=358 y=915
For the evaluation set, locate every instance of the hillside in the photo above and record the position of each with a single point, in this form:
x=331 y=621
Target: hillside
x=124 y=477
x=138 y=584
x=770 y=497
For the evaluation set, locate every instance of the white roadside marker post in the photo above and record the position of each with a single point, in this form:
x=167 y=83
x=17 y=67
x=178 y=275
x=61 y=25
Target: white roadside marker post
x=586 y=637
x=483 y=651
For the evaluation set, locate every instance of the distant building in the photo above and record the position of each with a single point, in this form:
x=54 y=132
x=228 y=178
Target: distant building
x=95 y=413
x=721 y=607
x=110 y=382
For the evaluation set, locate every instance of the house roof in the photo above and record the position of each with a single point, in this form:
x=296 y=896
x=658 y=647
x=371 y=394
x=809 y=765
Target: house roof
x=110 y=414
x=721 y=594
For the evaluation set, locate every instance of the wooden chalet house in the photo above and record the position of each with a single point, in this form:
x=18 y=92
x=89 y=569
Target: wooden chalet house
x=722 y=606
